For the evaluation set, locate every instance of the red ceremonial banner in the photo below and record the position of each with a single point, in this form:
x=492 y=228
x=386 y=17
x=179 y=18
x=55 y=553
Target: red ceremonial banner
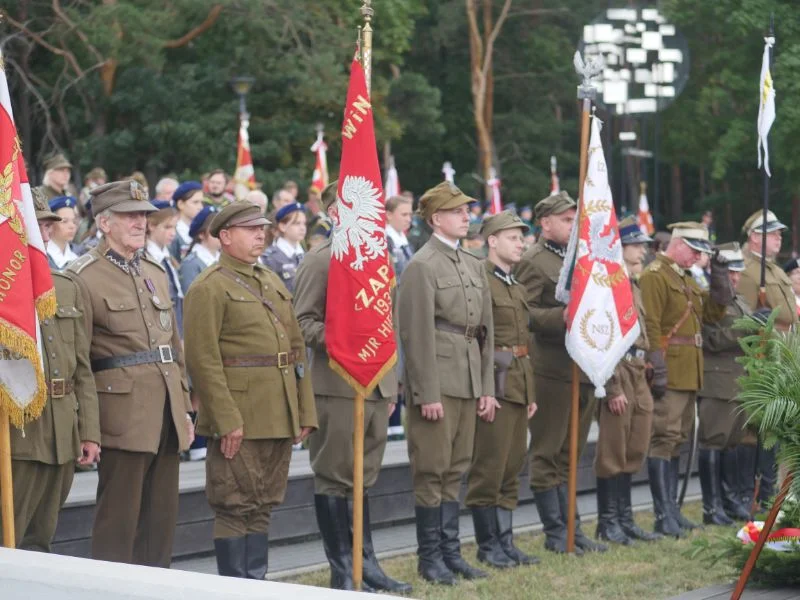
x=359 y=333
x=26 y=286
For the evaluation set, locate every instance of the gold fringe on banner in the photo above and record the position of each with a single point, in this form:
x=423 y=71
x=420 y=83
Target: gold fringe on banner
x=46 y=304
x=17 y=341
x=360 y=389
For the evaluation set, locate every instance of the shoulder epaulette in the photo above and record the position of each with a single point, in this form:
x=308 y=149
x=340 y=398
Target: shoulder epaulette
x=149 y=259
x=653 y=266
x=80 y=263
x=61 y=274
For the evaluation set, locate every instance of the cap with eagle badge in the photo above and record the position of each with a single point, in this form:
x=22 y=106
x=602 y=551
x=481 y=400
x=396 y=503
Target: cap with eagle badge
x=502 y=221
x=120 y=196
x=631 y=233
x=755 y=221
x=329 y=194
x=732 y=255
x=40 y=207
x=694 y=234
x=237 y=214
x=554 y=204
x=444 y=196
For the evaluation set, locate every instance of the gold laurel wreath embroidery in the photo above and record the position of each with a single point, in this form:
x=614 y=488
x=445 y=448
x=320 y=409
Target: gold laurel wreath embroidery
x=609 y=280
x=595 y=206
x=7 y=207
x=584 y=328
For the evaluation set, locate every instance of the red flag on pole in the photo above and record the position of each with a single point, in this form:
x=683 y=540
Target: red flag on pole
x=496 y=204
x=26 y=287
x=320 y=178
x=645 y=217
x=245 y=176
x=359 y=333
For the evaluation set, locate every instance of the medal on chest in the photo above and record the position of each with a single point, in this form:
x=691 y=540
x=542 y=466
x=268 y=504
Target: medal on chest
x=164 y=316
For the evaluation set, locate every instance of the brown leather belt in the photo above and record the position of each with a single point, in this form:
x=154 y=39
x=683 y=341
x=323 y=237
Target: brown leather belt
x=516 y=351
x=468 y=331
x=60 y=388
x=282 y=359
x=695 y=340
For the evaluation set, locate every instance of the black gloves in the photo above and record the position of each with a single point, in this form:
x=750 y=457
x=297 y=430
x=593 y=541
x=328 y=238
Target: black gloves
x=658 y=385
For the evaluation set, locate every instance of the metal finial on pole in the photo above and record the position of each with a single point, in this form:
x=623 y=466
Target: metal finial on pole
x=366 y=38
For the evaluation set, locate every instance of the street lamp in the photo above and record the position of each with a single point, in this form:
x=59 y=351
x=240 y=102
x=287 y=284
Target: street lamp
x=242 y=85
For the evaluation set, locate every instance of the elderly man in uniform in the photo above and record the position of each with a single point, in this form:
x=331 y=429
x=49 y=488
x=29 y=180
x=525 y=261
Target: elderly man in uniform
x=779 y=295
x=549 y=453
x=675 y=310
x=138 y=366
x=246 y=357
x=500 y=444
x=444 y=311
x=722 y=420
x=44 y=454
x=625 y=417
x=331 y=447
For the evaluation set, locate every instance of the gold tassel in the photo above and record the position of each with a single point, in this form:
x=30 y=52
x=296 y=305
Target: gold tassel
x=357 y=387
x=18 y=342
x=46 y=304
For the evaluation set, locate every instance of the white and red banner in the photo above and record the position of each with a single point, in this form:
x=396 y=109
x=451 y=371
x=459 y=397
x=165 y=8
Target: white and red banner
x=245 y=176
x=645 y=218
x=555 y=185
x=602 y=322
x=449 y=172
x=495 y=201
x=392 y=185
x=319 y=180
x=359 y=333
x=26 y=287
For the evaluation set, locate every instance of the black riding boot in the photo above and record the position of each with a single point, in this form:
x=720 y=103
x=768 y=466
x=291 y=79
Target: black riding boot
x=582 y=541
x=257 y=555
x=554 y=527
x=658 y=473
x=608 y=526
x=431 y=565
x=486 y=535
x=729 y=478
x=231 y=556
x=451 y=545
x=373 y=574
x=746 y=459
x=710 y=470
x=675 y=467
x=505 y=532
x=625 y=510
x=767 y=463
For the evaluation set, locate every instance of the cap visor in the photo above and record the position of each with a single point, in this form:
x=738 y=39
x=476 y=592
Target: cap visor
x=250 y=222
x=736 y=265
x=699 y=245
x=46 y=215
x=636 y=238
x=133 y=206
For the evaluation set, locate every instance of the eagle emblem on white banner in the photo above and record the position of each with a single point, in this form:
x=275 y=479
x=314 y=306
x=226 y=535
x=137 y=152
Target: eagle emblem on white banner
x=357 y=223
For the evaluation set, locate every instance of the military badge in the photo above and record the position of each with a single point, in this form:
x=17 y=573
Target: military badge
x=165 y=318
x=137 y=191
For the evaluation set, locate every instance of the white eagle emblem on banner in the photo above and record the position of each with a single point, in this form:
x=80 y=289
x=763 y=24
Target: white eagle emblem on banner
x=358 y=215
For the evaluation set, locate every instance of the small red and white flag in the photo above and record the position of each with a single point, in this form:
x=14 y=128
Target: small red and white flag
x=319 y=180
x=555 y=185
x=26 y=287
x=245 y=176
x=449 y=172
x=645 y=218
x=496 y=202
x=602 y=322
x=359 y=334
x=392 y=185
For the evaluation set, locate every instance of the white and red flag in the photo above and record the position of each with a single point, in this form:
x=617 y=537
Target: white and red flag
x=645 y=218
x=602 y=322
x=359 y=334
x=449 y=172
x=495 y=201
x=319 y=180
x=26 y=287
x=245 y=176
x=392 y=185
x=555 y=185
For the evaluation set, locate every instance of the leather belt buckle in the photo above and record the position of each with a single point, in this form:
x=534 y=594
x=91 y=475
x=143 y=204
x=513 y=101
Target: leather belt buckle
x=469 y=331
x=58 y=388
x=165 y=352
x=698 y=340
x=283 y=359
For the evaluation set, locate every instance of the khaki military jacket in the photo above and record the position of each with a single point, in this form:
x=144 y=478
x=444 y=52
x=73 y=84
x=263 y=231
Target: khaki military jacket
x=69 y=418
x=510 y=315
x=223 y=320
x=310 y=297
x=447 y=284
x=720 y=350
x=778 y=288
x=538 y=271
x=614 y=387
x=129 y=311
x=665 y=302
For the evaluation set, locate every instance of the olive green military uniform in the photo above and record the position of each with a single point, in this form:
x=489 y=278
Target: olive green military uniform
x=44 y=453
x=500 y=446
x=778 y=288
x=623 y=440
x=57 y=161
x=137 y=359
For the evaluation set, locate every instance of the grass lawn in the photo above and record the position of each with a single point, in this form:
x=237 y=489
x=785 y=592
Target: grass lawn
x=644 y=571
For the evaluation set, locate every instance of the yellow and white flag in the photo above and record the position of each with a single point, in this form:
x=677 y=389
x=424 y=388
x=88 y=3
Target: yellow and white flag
x=766 y=105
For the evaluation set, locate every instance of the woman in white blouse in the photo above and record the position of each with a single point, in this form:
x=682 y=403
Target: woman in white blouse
x=59 y=248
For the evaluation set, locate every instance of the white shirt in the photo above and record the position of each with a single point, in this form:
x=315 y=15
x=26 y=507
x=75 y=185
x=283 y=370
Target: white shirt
x=444 y=240
x=205 y=255
x=62 y=259
x=398 y=239
x=183 y=231
x=289 y=250
x=159 y=254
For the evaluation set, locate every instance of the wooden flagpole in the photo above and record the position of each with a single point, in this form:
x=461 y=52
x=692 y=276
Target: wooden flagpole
x=358 y=403
x=6 y=482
